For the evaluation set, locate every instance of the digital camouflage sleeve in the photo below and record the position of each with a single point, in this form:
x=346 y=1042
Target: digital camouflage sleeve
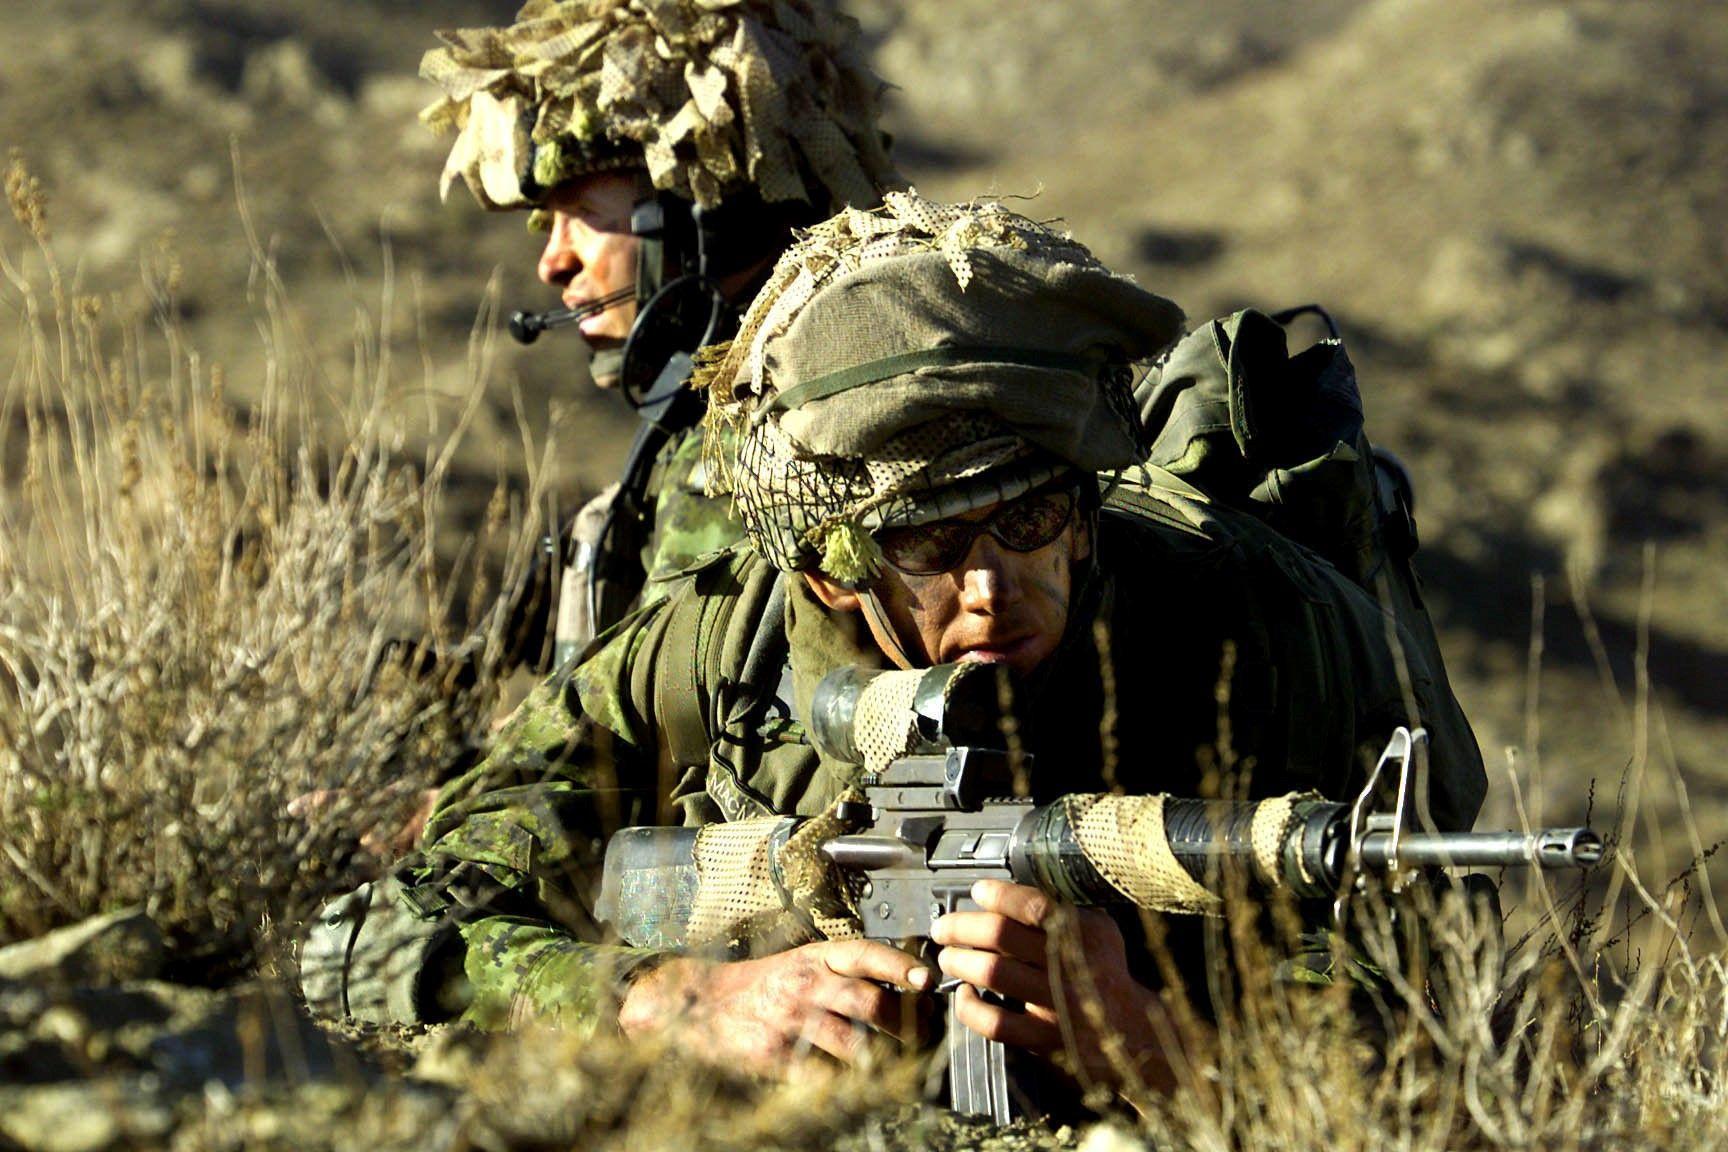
x=513 y=851
x=688 y=523
x=514 y=847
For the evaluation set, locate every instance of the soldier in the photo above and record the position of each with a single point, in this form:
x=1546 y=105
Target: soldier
x=919 y=405
x=667 y=148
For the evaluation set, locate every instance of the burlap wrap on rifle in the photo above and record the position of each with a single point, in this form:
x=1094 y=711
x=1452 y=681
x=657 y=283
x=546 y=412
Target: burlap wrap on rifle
x=750 y=897
x=745 y=902
x=1124 y=838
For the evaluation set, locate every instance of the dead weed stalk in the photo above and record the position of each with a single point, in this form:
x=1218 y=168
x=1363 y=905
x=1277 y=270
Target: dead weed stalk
x=207 y=611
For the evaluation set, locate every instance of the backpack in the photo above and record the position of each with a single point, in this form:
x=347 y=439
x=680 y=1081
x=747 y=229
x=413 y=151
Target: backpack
x=1230 y=410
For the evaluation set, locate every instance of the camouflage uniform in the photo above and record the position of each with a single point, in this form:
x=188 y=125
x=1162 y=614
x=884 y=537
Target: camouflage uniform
x=683 y=524
x=689 y=524
x=655 y=726
x=1202 y=648
x=717 y=104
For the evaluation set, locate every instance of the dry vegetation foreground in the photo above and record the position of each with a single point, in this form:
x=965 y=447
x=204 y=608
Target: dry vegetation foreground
x=208 y=611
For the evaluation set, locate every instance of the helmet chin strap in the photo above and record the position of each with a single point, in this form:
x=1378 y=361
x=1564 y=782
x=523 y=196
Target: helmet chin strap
x=882 y=628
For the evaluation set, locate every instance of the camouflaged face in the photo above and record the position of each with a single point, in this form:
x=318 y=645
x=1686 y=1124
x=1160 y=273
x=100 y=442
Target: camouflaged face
x=710 y=96
x=918 y=362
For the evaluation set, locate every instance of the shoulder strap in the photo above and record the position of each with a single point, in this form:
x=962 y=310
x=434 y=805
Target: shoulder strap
x=1149 y=492
x=712 y=639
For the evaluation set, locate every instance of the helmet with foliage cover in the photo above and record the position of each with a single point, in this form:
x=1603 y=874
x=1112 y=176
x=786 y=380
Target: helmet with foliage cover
x=709 y=96
x=916 y=362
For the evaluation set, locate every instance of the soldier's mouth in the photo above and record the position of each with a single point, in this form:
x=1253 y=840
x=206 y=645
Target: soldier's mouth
x=995 y=651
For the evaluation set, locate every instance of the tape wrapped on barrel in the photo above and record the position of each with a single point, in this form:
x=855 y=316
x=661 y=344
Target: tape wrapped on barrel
x=765 y=879
x=1126 y=840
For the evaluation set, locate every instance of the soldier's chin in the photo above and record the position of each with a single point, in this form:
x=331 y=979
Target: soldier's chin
x=606 y=365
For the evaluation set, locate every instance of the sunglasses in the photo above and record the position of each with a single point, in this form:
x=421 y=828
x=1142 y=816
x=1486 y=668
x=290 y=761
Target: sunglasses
x=1023 y=525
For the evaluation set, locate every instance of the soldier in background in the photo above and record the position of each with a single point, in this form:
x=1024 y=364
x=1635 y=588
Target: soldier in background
x=667 y=148
x=916 y=414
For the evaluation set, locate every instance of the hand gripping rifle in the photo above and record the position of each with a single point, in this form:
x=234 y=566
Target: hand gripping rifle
x=936 y=813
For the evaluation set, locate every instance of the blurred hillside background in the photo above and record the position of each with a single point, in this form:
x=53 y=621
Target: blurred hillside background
x=1515 y=208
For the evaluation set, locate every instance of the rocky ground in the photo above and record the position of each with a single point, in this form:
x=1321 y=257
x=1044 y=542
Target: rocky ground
x=99 y=1051
x=1515 y=208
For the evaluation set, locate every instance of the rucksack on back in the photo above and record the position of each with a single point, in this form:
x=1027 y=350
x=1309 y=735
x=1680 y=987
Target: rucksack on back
x=1230 y=411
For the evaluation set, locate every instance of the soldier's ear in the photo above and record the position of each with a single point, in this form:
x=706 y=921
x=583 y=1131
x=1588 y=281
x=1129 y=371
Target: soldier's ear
x=835 y=596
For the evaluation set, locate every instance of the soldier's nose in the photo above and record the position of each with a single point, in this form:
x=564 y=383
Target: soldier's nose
x=559 y=263
x=987 y=582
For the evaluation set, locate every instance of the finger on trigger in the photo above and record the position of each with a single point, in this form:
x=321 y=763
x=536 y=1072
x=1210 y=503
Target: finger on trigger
x=991 y=932
x=1003 y=975
x=1037 y=1032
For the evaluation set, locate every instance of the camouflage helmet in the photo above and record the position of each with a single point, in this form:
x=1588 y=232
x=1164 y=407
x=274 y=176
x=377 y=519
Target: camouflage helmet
x=917 y=362
x=710 y=96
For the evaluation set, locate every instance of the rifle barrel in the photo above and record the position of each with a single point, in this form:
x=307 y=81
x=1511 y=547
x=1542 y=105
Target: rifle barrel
x=1544 y=847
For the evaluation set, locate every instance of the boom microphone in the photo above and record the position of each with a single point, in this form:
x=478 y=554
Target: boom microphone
x=526 y=327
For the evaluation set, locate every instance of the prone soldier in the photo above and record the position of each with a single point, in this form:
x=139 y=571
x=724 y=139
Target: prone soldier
x=929 y=433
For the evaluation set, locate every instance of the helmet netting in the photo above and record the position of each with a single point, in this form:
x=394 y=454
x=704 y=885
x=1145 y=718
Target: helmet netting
x=797 y=505
x=709 y=95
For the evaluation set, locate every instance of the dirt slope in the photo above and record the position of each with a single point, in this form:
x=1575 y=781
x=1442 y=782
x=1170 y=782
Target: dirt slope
x=1516 y=211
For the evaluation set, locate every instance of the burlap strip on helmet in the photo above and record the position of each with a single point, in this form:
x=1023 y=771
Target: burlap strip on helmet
x=903 y=396
x=875 y=371
x=709 y=95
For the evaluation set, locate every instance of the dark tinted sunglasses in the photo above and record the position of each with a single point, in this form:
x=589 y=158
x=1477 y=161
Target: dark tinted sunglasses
x=1023 y=525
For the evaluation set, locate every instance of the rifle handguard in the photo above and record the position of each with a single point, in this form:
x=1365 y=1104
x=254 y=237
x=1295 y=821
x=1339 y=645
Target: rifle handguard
x=1170 y=854
x=1163 y=853
x=1160 y=853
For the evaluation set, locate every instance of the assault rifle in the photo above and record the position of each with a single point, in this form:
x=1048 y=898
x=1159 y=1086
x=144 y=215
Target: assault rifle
x=938 y=813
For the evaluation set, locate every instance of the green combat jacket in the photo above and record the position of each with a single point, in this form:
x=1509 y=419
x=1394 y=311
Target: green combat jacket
x=1207 y=620
x=688 y=523
x=680 y=523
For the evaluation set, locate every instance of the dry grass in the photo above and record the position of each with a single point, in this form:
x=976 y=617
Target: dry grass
x=1545 y=1043
x=205 y=613
x=1474 y=1046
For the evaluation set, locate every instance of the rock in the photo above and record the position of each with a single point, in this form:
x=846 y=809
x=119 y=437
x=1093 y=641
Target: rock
x=149 y=1065
x=82 y=1116
x=1111 y=1138
x=109 y=949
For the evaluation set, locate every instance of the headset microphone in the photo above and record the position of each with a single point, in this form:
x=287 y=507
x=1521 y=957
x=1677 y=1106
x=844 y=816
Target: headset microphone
x=526 y=327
